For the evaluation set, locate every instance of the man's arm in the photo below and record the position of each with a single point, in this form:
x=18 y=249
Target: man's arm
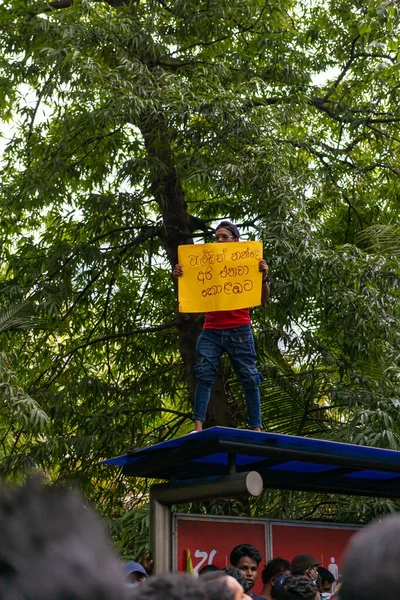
x=263 y=268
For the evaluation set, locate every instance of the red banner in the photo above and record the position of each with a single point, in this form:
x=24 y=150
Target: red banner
x=325 y=543
x=210 y=540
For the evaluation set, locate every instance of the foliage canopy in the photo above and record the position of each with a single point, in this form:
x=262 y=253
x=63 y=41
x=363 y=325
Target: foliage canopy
x=130 y=128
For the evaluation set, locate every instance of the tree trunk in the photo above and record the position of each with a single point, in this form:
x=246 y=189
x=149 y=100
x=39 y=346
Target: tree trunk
x=179 y=226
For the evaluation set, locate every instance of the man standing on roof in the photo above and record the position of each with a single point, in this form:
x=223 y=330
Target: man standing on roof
x=228 y=331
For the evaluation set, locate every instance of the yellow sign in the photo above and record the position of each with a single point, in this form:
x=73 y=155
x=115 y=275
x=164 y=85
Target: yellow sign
x=219 y=276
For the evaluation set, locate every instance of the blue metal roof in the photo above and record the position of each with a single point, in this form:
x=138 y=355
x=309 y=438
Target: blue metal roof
x=283 y=461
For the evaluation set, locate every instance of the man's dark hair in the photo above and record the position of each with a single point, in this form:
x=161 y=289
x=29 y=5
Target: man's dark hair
x=53 y=547
x=274 y=568
x=208 y=569
x=244 y=550
x=371 y=563
x=172 y=586
x=325 y=575
x=298 y=588
x=238 y=575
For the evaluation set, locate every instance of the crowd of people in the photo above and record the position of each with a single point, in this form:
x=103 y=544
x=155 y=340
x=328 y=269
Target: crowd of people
x=304 y=578
x=54 y=547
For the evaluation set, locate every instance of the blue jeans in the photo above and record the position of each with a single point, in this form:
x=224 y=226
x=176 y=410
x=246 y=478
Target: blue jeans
x=238 y=343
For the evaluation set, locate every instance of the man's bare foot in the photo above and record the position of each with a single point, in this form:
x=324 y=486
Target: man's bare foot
x=198 y=425
x=256 y=429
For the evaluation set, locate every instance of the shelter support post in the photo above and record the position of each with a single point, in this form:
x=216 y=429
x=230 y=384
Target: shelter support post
x=160 y=534
x=163 y=495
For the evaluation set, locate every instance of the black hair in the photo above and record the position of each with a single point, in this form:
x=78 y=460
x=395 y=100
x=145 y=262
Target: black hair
x=172 y=586
x=53 y=547
x=274 y=568
x=208 y=569
x=370 y=567
x=238 y=575
x=244 y=550
x=298 y=587
x=325 y=575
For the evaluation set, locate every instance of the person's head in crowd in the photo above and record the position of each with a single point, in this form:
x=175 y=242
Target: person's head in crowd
x=246 y=558
x=370 y=569
x=209 y=569
x=276 y=589
x=238 y=575
x=272 y=570
x=172 y=586
x=134 y=573
x=220 y=586
x=53 y=547
x=325 y=580
x=305 y=564
x=298 y=588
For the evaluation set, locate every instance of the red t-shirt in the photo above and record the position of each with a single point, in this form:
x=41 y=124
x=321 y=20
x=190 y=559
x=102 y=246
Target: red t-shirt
x=227 y=319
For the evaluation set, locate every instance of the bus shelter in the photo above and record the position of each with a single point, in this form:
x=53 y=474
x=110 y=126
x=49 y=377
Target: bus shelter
x=221 y=462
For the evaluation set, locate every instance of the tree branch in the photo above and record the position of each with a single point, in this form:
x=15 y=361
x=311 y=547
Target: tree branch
x=68 y=355
x=344 y=70
x=116 y=336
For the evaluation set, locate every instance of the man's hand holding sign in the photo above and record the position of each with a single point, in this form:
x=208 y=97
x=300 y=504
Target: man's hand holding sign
x=224 y=281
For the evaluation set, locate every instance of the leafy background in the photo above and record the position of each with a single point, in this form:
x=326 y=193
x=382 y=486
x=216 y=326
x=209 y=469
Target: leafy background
x=132 y=127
